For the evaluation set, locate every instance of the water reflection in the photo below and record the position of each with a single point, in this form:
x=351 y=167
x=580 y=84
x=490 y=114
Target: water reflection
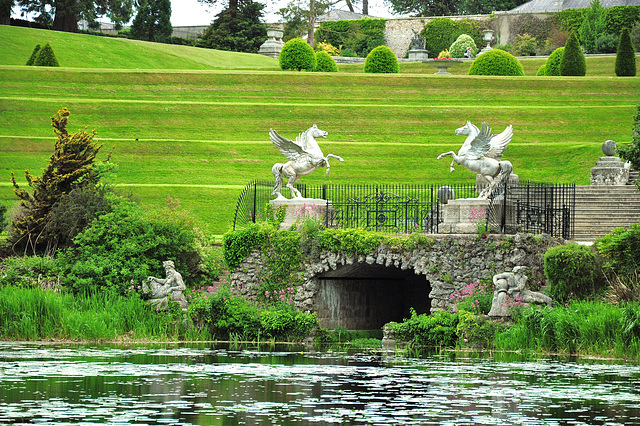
x=287 y=385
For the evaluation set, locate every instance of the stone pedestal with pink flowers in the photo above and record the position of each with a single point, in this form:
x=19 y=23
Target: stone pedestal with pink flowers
x=299 y=209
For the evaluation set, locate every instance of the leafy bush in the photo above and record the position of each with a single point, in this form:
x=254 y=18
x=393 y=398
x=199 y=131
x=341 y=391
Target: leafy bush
x=570 y=19
x=29 y=272
x=126 y=245
x=296 y=54
x=349 y=241
x=621 y=249
x=525 y=45
x=476 y=331
x=541 y=70
x=459 y=46
x=327 y=47
x=325 y=63
x=46 y=57
x=625 y=56
x=632 y=151
x=496 y=62
x=552 y=66
x=476 y=297
x=436 y=330
x=358 y=36
x=237 y=245
x=573 y=62
x=381 y=60
x=348 y=53
x=587 y=36
x=34 y=55
x=573 y=271
x=441 y=33
x=606 y=43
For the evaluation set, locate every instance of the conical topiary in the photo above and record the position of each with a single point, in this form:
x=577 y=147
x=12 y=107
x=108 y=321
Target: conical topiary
x=625 y=56
x=34 y=55
x=573 y=62
x=46 y=57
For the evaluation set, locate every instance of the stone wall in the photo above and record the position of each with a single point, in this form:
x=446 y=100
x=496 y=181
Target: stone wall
x=335 y=284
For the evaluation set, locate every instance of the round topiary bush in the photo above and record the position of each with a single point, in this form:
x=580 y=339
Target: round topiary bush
x=381 y=60
x=46 y=57
x=541 y=71
x=573 y=62
x=496 y=62
x=34 y=55
x=460 y=45
x=296 y=54
x=325 y=63
x=552 y=67
x=625 y=56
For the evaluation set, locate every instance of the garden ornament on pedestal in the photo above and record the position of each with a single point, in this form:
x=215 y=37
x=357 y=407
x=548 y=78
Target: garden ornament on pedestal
x=510 y=288
x=160 y=289
x=481 y=153
x=304 y=156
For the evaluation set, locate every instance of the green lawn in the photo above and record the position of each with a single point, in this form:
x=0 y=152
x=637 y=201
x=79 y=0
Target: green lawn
x=202 y=135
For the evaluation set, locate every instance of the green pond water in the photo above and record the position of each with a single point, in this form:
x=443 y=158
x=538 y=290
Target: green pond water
x=211 y=384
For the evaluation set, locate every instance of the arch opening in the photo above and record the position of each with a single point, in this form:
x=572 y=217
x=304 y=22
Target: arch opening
x=365 y=297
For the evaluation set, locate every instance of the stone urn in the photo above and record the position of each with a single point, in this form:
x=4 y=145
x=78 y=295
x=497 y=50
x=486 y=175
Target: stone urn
x=443 y=65
x=487 y=35
x=273 y=45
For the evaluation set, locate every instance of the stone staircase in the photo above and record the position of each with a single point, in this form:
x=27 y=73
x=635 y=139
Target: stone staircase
x=599 y=209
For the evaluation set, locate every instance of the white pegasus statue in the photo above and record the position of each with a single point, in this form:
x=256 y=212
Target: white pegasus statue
x=304 y=156
x=482 y=152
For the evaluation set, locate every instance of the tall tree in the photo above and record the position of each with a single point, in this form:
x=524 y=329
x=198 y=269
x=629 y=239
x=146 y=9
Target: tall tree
x=426 y=7
x=65 y=14
x=300 y=17
x=153 y=21
x=5 y=12
x=237 y=30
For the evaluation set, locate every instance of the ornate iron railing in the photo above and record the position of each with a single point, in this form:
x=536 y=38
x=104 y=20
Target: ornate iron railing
x=535 y=208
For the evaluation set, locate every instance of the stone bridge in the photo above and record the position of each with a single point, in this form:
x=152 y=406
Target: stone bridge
x=365 y=292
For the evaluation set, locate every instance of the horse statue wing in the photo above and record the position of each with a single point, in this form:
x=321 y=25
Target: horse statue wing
x=288 y=148
x=481 y=144
x=499 y=143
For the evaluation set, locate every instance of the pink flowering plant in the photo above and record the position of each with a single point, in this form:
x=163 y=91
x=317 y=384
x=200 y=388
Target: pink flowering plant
x=479 y=218
x=475 y=297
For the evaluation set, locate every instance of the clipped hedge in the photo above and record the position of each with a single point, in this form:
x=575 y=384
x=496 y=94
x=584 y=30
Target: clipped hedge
x=459 y=46
x=573 y=62
x=625 y=56
x=297 y=55
x=325 y=63
x=381 y=60
x=358 y=36
x=573 y=272
x=496 y=62
x=441 y=33
x=34 y=55
x=552 y=66
x=46 y=57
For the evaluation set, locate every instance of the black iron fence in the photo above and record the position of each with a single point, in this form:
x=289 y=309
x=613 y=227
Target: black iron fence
x=534 y=208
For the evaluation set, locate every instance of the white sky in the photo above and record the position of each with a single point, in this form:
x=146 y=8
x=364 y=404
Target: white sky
x=192 y=12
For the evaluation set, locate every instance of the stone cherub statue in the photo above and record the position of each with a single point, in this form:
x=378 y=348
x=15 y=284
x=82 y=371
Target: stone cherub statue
x=304 y=156
x=417 y=42
x=481 y=153
x=160 y=289
x=513 y=285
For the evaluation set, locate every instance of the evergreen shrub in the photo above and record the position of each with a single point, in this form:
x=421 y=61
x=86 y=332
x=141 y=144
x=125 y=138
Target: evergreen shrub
x=621 y=249
x=606 y=43
x=34 y=55
x=525 y=45
x=618 y=17
x=496 y=62
x=459 y=46
x=381 y=60
x=552 y=66
x=541 y=71
x=46 y=57
x=625 y=56
x=573 y=272
x=325 y=63
x=296 y=54
x=573 y=62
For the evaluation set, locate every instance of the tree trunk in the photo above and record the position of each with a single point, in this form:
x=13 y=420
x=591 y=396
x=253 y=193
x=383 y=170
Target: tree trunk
x=365 y=7
x=5 y=12
x=233 y=6
x=312 y=23
x=65 y=18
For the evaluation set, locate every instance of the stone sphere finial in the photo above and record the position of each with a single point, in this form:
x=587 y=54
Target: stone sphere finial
x=445 y=193
x=609 y=148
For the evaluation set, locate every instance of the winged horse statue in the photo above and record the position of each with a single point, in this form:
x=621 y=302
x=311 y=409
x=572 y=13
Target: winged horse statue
x=482 y=153
x=304 y=156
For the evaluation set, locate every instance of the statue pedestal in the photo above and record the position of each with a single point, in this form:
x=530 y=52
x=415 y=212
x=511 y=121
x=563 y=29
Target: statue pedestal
x=463 y=215
x=418 y=55
x=298 y=209
x=273 y=45
x=609 y=171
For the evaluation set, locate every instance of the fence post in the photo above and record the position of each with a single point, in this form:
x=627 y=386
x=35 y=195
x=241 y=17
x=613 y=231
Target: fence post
x=255 y=200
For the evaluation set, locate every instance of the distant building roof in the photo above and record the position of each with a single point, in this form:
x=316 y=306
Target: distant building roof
x=541 y=6
x=342 y=15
